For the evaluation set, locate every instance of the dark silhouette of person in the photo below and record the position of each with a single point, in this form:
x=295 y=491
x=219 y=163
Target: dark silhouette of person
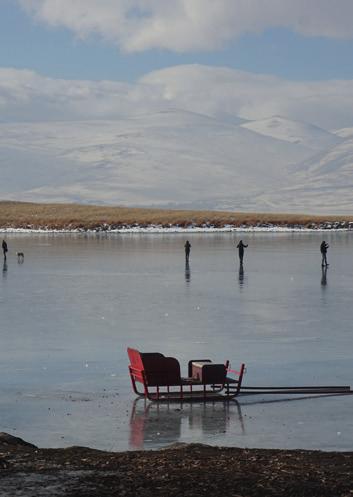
x=240 y=248
x=323 y=249
x=187 y=247
x=4 y=249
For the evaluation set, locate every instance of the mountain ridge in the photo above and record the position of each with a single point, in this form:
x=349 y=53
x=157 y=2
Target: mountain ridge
x=170 y=157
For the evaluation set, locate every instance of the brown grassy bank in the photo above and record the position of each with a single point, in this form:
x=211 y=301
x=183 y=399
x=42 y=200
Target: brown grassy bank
x=73 y=216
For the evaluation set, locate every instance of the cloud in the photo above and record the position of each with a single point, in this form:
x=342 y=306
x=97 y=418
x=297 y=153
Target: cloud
x=28 y=96
x=185 y=25
x=213 y=91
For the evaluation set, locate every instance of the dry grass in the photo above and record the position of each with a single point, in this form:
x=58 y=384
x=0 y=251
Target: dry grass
x=60 y=216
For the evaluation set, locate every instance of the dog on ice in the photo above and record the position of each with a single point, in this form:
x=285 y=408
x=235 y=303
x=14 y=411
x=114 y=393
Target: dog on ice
x=20 y=256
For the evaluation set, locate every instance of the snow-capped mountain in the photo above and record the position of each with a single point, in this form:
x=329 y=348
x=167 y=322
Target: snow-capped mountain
x=323 y=183
x=291 y=131
x=336 y=163
x=173 y=158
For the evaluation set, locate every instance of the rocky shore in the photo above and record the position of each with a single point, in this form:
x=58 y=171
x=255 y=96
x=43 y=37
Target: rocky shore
x=180 y=470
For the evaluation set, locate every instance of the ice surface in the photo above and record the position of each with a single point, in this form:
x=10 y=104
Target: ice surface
x=63 y=368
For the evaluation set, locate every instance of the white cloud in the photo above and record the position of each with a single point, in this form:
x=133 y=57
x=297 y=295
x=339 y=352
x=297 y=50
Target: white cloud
x=183 y=25
x=213 y=91
x=28 y=96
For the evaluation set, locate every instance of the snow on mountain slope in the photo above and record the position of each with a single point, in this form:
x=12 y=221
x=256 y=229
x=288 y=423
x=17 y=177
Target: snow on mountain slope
x=172 y=157
x=179 y=159
x=287 y=130
x=335 y=164
x=322 y=184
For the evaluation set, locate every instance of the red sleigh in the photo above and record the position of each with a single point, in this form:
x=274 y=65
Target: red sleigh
x=162 y=380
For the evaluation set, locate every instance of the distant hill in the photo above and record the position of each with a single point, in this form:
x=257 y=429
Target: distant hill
x=173 y=158
x=323 y=183
x=291 y=131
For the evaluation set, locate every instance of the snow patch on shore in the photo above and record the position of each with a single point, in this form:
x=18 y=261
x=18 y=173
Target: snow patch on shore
x=176 y=230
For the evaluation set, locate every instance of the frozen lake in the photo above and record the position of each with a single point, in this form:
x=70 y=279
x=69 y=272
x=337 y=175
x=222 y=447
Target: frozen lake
x=69 y=311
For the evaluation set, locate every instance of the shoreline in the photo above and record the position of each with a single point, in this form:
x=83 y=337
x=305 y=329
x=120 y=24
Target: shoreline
x=26 y=217
x=191 y=470
x=143 y=230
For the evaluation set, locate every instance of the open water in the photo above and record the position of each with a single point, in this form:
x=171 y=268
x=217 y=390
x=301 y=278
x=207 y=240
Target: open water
x=70 y=310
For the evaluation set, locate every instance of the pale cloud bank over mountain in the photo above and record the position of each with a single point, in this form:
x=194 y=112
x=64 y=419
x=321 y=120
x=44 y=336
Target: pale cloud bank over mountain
x=185 y=25
x=26 y=95
x=187 y=136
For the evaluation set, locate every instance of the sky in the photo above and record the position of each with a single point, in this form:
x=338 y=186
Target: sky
x=94 y=59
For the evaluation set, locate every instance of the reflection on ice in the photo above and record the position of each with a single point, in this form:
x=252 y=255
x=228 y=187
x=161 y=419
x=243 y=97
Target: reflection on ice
x=187 y=272
x=249 y=421
x=241 y=274
x=324 y=276
x=154 y=424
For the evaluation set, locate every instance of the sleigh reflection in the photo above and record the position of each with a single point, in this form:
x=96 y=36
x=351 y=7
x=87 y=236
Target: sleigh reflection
x=158 y=424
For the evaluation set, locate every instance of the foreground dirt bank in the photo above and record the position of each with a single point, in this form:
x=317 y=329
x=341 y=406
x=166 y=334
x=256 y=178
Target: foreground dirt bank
x=27 y=215
x=184 y=470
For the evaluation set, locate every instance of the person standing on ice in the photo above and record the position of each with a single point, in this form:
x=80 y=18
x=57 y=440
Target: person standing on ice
x=240 y=248
x=323 y=249
x=187 y=247
x=4 y=249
